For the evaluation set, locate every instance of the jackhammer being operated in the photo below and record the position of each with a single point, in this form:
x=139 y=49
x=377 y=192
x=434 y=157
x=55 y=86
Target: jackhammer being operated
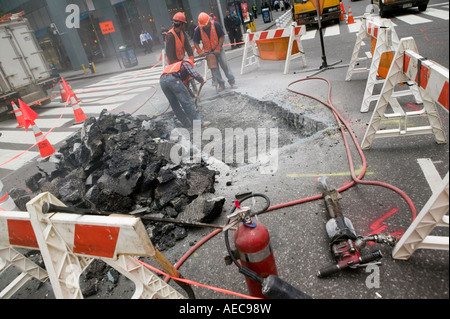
x=344 y=243
x=253 y=249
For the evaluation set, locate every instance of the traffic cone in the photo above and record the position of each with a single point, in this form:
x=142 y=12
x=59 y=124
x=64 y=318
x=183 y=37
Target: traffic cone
x=28 y=114
x=6 y=202
x=62 y=92
x=19 y=115
x=342 y=12
x=77 y=111
x=45 y=148
x=350 y=19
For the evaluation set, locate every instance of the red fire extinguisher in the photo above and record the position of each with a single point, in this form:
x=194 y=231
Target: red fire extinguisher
x=257 y=261
x=252 y=241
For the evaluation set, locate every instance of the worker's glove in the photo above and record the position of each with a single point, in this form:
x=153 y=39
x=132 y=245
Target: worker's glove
x=201 y=52
x=217 y=50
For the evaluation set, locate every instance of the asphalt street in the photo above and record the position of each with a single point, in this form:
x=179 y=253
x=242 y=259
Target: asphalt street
x=296 y=223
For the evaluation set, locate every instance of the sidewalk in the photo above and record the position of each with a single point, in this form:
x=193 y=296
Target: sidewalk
x=112 y=65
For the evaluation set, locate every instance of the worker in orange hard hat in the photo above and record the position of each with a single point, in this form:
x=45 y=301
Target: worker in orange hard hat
x=173 y=84
x=211 y=34
x=177 y=42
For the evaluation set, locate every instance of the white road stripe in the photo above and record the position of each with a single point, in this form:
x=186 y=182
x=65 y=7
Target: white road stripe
x=332 y=30
x=413 y=19
x=441 y=14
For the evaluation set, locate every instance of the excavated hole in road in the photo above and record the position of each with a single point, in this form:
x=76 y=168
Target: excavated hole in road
x=237 y=115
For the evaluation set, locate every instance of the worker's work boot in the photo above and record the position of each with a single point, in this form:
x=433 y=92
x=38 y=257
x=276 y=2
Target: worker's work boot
x=233 y=86
x=221 y=87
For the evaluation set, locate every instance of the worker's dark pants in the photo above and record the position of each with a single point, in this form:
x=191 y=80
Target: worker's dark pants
x=180 y=100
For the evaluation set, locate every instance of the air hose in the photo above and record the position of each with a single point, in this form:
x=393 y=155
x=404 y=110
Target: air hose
x=356 y=179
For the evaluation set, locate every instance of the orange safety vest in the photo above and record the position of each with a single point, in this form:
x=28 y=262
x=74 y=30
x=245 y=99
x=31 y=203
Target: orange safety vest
x=173 y=68
x=179 y=44
x=209 y=44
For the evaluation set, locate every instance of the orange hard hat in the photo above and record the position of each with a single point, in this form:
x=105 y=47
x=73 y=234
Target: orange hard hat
x=203 y=19
x=179 y=16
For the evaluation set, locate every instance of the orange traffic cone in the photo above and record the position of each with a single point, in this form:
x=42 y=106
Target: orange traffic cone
x=6 y=202
x=350 y=19
x=45 y=148
x=28 y=114
x=63 y=93
x=77 y=111
x=342 y=12
x=19 y=115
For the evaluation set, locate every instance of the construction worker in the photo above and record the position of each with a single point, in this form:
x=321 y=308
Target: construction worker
x=211 y=35
x=177 y=42
x=173 y=83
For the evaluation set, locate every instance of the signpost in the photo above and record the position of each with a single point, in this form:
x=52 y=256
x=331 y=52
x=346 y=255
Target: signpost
x=107 y=27
x=325 y=66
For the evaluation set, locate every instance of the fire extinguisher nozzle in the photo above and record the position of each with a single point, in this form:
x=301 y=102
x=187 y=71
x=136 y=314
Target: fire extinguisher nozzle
x=276 y=288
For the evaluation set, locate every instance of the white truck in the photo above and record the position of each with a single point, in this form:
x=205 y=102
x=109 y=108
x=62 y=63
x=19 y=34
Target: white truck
x=24 y=72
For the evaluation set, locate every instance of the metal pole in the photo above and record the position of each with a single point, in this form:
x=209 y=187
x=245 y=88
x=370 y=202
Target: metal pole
x=324 y=57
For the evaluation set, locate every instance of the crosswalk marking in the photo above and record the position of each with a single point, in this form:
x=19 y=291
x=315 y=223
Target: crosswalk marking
x=441 y=14
x=332 y=30
x=413 y=19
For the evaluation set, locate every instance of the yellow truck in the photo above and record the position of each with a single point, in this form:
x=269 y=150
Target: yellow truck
x=304 y=11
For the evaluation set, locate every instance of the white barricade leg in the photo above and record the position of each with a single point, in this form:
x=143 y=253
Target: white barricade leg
x=251 y=54
x=300 y=30
x=9 y=256
x=395 y=76
x=63 y=266
x=148 y=285
x=387 y=41
x=355 y=55
x=432 y=215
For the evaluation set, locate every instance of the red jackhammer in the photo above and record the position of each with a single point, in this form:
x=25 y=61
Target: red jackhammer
x=257 y=262
x=344 y=243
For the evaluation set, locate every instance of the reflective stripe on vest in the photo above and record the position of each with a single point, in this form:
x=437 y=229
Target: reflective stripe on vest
x=173 y=68
x=209 y=44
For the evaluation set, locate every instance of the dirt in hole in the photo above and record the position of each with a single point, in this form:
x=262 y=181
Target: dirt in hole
x=245 y=123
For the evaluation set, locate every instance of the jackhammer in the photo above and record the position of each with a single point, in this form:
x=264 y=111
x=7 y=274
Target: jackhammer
x=344 y=243
x=257 y=262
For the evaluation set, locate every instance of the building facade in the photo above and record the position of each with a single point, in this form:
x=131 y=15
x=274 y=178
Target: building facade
x=73 y=33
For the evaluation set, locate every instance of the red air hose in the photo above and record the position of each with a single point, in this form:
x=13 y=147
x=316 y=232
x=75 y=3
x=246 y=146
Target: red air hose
x=356 y=179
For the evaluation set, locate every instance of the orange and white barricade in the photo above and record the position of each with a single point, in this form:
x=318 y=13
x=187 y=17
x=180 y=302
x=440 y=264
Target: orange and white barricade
x=432 y=81
x=433 y=214
x=69 y=242
x=252 y=54
x=382 y=32
x=8 y=255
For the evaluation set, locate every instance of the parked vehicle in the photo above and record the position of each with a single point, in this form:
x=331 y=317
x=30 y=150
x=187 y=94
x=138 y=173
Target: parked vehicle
x=304 y=11
x=386 y=6
x=24 y=72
